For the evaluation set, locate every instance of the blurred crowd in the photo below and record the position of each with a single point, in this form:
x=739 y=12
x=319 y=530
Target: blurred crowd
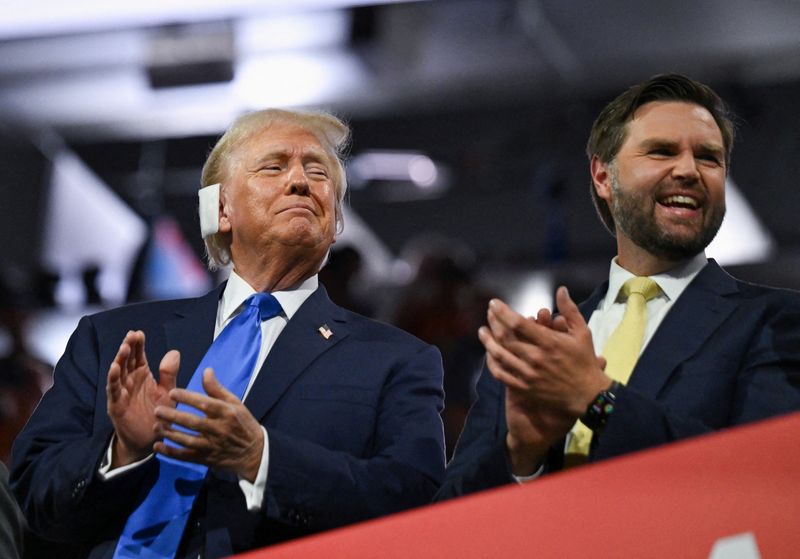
x=23 y=376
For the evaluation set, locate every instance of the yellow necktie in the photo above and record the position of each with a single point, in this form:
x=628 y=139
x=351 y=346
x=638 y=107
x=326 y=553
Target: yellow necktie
x=621 y=353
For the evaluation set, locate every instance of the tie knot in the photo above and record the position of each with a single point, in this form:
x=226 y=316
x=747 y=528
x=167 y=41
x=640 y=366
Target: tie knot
x=267 y=305
x=644 y=286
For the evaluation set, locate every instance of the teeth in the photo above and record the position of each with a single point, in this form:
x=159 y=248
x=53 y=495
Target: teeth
x=681 y=200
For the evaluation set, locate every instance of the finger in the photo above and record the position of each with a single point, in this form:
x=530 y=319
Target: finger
x=503 y=376
x=504 y=321
x=501 y=360
x=560 y=324
x=544 y=317
x=568 y=309
x=119 y=368
x=498 y=327
x=507 y=323
x=214 y=389
x=196 y=400
x=168 y=369
x=515 y=356
x=125 y=353
x=113 y=386
x=179 y=453
x=133 y=341
x=182 y=438
x=601 y=361
x=140 y=357
x=168 y=416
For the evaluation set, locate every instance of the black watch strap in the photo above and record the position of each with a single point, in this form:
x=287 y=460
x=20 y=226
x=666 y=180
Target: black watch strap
x=601 y=408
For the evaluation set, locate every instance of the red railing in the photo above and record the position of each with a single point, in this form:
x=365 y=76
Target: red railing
x=738 y=489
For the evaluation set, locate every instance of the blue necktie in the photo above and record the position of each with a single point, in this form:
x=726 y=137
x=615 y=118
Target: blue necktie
x=155 y=528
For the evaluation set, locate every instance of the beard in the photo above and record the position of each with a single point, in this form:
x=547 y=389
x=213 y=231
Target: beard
x=633 y=213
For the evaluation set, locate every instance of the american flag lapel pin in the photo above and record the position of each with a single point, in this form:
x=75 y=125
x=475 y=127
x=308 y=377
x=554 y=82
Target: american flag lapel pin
x=325 y=331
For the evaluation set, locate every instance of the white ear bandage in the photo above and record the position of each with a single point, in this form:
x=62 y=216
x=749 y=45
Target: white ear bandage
x=209 y=209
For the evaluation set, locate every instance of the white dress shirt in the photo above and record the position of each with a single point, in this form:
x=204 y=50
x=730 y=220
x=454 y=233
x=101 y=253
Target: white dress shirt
x=237 y=290
x=608 y=314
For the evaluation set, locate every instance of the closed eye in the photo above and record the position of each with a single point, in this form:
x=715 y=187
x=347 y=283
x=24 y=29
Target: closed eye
x=710 y=157
x=318 y=172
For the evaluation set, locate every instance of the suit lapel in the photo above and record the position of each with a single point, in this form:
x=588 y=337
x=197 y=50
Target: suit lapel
x=296 y=348
x=192 y=331
x=697 y=313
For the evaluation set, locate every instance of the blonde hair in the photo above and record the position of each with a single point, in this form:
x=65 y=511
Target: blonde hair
x=331 y=132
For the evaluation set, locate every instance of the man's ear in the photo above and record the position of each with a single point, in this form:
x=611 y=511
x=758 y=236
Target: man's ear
x=601 y=177
x=224 y=222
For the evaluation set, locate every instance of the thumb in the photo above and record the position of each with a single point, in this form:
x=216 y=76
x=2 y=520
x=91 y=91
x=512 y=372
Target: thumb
x=568 y=309
x=168 y=369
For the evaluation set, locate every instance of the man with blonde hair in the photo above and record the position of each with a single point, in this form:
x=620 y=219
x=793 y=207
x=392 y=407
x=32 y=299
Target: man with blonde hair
x=299 y=417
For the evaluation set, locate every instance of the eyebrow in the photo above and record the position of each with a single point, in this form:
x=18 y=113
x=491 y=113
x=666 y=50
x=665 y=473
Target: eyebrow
x=312 y=153
x=713 y=149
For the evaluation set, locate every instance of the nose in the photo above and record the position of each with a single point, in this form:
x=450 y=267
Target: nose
x=686 y=167
x=296 y=181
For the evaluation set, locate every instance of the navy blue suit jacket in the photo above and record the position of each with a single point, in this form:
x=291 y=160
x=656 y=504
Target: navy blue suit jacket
x=727 y=353
x=353 y=423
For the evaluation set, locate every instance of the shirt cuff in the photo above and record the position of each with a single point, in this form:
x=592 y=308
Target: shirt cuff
x=105 y=472
x=524 y=479
x=254 y=492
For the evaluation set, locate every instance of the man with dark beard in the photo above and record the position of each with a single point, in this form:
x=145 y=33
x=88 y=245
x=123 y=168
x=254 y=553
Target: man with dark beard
x=670 y=346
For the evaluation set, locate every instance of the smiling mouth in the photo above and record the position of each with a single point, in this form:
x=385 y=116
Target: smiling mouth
x=297 y=208
x=680 y=201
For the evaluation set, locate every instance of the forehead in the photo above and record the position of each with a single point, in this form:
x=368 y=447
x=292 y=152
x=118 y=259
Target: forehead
x=283 y=138
x=673 y=121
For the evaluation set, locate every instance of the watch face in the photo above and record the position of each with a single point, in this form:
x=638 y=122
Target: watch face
x=600 y=409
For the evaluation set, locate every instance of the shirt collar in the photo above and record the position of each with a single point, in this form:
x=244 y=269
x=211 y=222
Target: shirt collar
x=672 y=282
x=237 y=290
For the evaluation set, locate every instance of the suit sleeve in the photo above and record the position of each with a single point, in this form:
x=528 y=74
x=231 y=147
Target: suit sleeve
x=479 y=461
x=314 y=487
x=758 y=376
x=56 y=457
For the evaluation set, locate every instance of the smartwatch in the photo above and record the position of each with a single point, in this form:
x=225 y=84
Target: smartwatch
x=601 y=408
